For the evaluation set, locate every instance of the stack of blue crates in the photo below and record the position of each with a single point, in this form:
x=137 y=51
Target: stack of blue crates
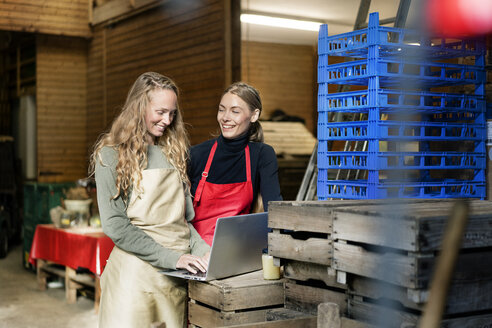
x=421 y=142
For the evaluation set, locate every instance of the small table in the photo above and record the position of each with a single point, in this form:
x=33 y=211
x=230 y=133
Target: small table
x=72 y=248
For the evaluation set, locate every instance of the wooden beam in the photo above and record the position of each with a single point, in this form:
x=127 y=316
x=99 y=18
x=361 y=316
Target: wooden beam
x=227 y=44
x=90 y=4
x=104 y=76
x=116 y=10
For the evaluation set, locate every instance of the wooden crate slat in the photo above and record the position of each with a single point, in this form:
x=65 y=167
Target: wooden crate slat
x=350 y=323
x=300 y=216
x=375 y=230
x=304 y=271
x=308 y=322
x=307 y=298
x=315 y=250
x=394 y=268
x=205 y=317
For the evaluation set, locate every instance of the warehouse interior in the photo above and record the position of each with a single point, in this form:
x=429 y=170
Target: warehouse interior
x=342 y=250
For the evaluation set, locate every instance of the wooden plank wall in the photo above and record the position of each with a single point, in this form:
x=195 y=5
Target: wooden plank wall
x=61 y=108
x=185 y=40
x=285 y=75
x=5 y=111
x=59 y=17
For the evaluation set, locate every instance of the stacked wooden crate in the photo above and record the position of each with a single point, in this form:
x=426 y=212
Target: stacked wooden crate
x=302 y=240
x=375 y=259
x=231 y=301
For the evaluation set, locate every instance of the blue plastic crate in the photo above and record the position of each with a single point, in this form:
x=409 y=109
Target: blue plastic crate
x=344 y=131
x=397 y=72
x=433 y=189
x=343 y=160
x=351 y=160
x=391 y=100
x=361 y=189
x=402 y=130
x=342 y=189
x=391 y=41
x=445 y=117
x=419 y=131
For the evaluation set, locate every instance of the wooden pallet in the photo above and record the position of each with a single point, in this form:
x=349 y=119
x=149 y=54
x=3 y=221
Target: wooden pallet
x=236 y=300
x=73 y=281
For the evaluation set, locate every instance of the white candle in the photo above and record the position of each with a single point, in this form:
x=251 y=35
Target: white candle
x=270 y=271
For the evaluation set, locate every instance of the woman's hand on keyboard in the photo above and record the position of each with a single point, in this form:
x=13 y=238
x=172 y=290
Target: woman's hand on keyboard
x=192 y=263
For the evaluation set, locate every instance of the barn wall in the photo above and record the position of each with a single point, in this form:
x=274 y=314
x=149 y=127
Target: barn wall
x=60 y=17
x=189 y=41
x=61 y=90
x=285 y=75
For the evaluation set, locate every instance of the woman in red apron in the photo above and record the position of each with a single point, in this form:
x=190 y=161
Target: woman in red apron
x=227 y=173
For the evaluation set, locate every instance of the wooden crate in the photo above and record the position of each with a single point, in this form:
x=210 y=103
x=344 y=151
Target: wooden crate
x=302 y=230
x=232 y=301
x=414 y=227
x=389 y=254
x=374 y=243
x=317 y=216
x=400 y=245
x=394 y=317
x=462 y=297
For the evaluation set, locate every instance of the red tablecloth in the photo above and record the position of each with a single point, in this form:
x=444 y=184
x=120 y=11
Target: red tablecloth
x=71 y=247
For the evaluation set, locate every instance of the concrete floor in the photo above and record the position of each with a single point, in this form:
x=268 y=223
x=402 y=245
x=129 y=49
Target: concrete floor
x=22 y=304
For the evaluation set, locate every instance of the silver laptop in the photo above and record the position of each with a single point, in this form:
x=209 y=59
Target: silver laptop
x=236 y=248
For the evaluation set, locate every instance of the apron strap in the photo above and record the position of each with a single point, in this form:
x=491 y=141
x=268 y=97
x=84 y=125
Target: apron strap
x=248 y=164
x=201 y=184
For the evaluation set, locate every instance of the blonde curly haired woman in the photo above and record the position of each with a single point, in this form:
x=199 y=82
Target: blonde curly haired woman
x=146 y=209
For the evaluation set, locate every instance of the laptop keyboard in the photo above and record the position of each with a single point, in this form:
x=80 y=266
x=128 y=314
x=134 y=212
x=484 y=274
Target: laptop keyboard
x=198 y=274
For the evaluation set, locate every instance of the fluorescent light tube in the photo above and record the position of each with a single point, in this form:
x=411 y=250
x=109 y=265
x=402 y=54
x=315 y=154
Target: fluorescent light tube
x=280 y=22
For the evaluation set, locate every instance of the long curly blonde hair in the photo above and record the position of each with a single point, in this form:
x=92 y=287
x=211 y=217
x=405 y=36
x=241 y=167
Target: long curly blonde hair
x=128 y=135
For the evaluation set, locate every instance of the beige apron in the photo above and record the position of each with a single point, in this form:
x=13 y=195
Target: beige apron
x=134 y=294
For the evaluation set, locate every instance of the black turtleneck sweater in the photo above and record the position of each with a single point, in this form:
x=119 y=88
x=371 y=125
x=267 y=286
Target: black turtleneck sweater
x=229 y=166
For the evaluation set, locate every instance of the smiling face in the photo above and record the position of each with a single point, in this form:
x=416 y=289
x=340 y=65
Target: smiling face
x=160 y=112
x=235 y=116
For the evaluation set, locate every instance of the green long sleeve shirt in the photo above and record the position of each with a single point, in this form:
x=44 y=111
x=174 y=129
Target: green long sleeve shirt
x=116 y=224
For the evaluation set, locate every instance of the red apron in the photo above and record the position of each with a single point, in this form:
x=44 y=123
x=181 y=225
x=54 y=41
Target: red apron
x=213 y=201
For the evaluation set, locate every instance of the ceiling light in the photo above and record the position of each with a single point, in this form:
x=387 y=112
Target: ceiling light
x=280 y=22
